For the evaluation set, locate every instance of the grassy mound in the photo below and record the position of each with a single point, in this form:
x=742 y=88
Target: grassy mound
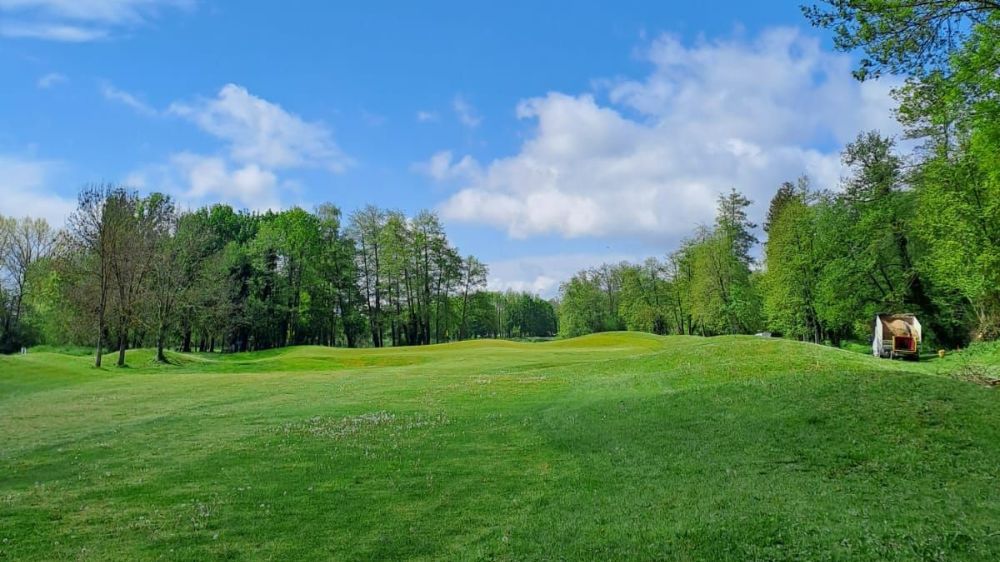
x=611 y=446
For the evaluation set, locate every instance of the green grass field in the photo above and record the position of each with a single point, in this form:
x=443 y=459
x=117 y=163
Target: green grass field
x=614 y=446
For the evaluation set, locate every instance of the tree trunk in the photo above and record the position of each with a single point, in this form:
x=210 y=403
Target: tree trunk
x=101 y=307
x=122 y=339
x=100 y=340
x=186 y=345
x=465 y=306
x=161 y=335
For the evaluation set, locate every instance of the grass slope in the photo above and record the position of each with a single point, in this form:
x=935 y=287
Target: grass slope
x=613 y=446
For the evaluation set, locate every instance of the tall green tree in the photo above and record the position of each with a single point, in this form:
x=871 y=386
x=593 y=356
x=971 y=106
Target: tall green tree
x=645 y=297
x=24 y=243
x=723 y=299
x=366 y=228
x=474 y=274
x=793 y=267
x=142 y=224
x=95 y=229
x=178 y=266
x=585 y=304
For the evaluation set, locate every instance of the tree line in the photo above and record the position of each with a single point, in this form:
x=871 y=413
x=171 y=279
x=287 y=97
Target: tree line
x=707 y=286
x=917 y=233
x=130 y=270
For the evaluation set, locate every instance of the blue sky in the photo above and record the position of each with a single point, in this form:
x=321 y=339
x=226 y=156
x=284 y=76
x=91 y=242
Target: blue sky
x=549 y=137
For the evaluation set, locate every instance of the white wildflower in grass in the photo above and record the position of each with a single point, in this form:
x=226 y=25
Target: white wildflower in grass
x=349 y=426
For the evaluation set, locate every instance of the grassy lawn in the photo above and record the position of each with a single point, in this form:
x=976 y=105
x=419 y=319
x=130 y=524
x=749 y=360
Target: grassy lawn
x=614 y=446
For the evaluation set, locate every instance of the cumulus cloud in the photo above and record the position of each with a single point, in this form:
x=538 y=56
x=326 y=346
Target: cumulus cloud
x=26 y=189
x=78 y=20
x=260 y=132
x=651 y=160
x=211 y=176
x=195 y=179
x=260 y=140
x=465 y=112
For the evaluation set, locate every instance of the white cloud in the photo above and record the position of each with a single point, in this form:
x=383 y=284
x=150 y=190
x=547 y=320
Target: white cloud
x=426 y=116
x=26 y=190
x=442 y=167
x=261 y=132
x=467 y=114
x=208 y=176
x=542 y=275
x=109 y=11
x=51 y=32
x=715 y=115
x=51 y=79
x=198 y=179
x=259 y=140
x=121 y=96
x=78 y=20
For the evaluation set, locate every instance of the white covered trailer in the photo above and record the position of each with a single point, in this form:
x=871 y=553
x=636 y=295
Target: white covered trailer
x=896 y=335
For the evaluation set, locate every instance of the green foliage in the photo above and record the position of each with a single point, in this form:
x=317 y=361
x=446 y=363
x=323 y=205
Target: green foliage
x=949 y=50
x=524 y=315
x=645 y=298
x=910 y=37
x=791 y=282
x=26 y=247
x=959 y=216
x=588 y=303
x=958 y=185
x=705 y=287
x=723 y=298
x=136 y=272
x=835 y=260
